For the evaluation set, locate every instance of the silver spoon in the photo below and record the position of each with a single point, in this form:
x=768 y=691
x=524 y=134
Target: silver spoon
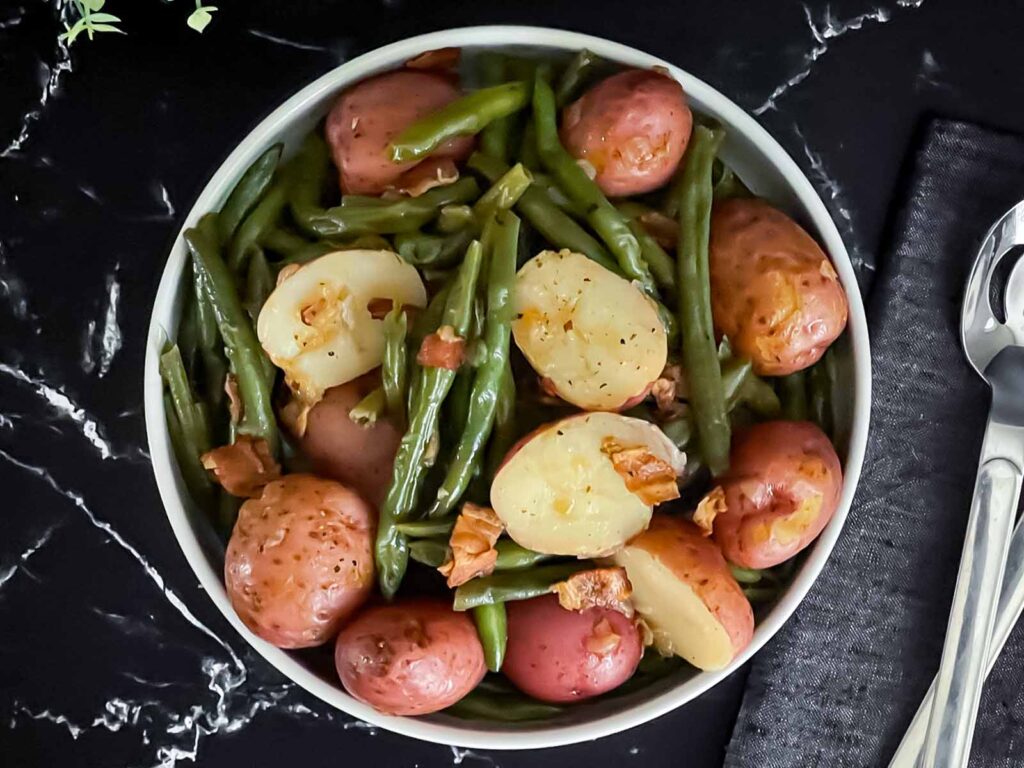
x=974 y=637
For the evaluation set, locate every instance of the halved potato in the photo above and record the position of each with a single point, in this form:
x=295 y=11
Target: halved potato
x=593 y=336
x=684 y=591
x=561 y=493
x=322 y=325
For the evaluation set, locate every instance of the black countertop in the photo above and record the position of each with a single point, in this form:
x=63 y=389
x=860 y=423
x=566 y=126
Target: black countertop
x=110 y=655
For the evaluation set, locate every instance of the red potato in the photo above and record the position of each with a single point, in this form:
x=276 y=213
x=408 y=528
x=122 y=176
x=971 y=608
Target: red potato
x=563 y=656
x=300 y=560
x=368 y=115
x=774 y=293
x=410 y=658
x=633 y=129
x=781 y=490
x=361 y=456
x=684 y=591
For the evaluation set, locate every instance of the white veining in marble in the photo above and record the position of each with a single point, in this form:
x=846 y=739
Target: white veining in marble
x=460 y=756
x=31 y=549
x=49 y=78
x=164 y=198
x=12 y=288
x=288 y=43
x=110 y=338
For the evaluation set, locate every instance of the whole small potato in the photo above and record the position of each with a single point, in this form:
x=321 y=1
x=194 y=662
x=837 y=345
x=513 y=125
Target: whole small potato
x=774 y=293
x=410 y=658
x=633 y=129
x=300 y=560
x=561 y=656
x=361 y=456
x=781 y=490
x=368 y=115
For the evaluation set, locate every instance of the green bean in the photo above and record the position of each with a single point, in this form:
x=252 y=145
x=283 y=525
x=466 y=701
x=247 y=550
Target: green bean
x=371 y=408
x=426 y=528
x=455 y=218
x=240 y=343
x=679 y=430
x=402 y=215
x=457 y=404
x=544 y=216
x=410 y=465
x=746 y=575
x=703 y=371
x=660 y=263
x=191 y=417
x=513 y=585
x=514 y=708
x=261 y=220
x=577 y=72
x=464 y=117
x=395 y=366
x=285 y=242
x=308 y=253
x=528 y=154
x=504 y=433
x=188 y=325
x=820 y=393
x=726 y=183
x=492 y=628
x=494 y=137
x=429 y=552
x=513 y=557
x=247 y=192
x=209 y=335
x=735 y=371
x=305 y=177
x=483 y=400
x=758 y=395
x=422 y=249
x=187 y=454
x=503 y=193
x=831 y=372
x=557 y=196
x=609 y=224
x=793 y=393
x=215 y=369
x=427 y=321
x=356 y=201
x=760 y=594
x=259 y=283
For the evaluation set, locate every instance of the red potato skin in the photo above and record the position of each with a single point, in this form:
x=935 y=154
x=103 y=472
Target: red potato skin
x=300 y=560
x=368 y=115
x=548 y=658
x=774 y=293
x=775 y=468
x=410 y=658
x=632 y=127
x=360 y=456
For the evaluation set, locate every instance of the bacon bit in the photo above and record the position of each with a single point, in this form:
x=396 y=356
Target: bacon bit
x=442 y=349
x=441 y=58
x=827 y=270
x=603 y=639
x=652 y=479
x=235 y=407
x=668 y=389
x=662 y=228
x=432 y=172
x=379 y=308
x=712 y=505
x=596 y=588
x=471 y=545
x=244 y=467
x=287 y=272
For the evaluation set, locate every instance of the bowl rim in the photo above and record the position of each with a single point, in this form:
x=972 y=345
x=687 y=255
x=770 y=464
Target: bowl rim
x=165 y=472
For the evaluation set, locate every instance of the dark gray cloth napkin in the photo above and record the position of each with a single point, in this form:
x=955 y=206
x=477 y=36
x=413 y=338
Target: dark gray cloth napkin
x=840 y=683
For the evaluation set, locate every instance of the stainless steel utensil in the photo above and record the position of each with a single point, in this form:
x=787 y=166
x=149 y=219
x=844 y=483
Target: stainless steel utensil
x=973 y=637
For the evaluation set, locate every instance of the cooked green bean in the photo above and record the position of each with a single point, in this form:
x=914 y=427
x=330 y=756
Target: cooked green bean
x=494 y=138
x=305 y=177
x=557 y=196
x=259 y=283
x=504 y=433
x=660 y=263
x=240 y=343
x=455 y=218
x=284 y=242
x=761 y=594
x=402 y=215
x=746 y=575
x=422 y=249
x=191 y=417
x=831 y=373
x=492 y=628
x=726 y=183
x=426 y=528
x=187 y=453
x=758 y=395
x=503 y=193
x=261 y=220
x=429 y=552
x=465 y=117
x=513 y=557
x=410 y=467
x=700 y=356
x=188 y=325
x=371 y=408
x=609 y=224
x=513 y=585
x=544 y=216
x=819 y=389
x=528 y=154
x=483 y=399
x=395 y=366
x=209 y=335
x=308 y=253
x=679 y=430
x=793 y=393
x=577 y=72
x=247 y=192
x=513 y=708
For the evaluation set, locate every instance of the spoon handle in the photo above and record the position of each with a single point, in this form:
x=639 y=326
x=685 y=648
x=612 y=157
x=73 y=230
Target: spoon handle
x=965 y=653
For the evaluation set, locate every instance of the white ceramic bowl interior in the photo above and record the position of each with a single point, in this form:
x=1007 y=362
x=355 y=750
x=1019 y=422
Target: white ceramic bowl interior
x=759 y=161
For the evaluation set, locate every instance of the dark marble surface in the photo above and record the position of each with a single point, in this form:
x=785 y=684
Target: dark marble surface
x=110 y=655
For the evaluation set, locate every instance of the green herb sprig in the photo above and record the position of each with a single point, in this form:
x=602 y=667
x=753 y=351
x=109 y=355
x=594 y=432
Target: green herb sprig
x=90 y=19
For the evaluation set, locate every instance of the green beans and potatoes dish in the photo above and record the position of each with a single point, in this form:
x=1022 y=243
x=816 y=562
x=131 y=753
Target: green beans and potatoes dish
x=531 y=363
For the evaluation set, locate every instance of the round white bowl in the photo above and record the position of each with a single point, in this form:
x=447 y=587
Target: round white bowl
x=759 y=161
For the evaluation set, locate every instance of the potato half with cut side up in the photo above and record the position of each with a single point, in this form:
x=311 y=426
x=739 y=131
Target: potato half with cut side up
x=564 y=490
x=684 y=591
x=323 y=325
x=595 y=339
